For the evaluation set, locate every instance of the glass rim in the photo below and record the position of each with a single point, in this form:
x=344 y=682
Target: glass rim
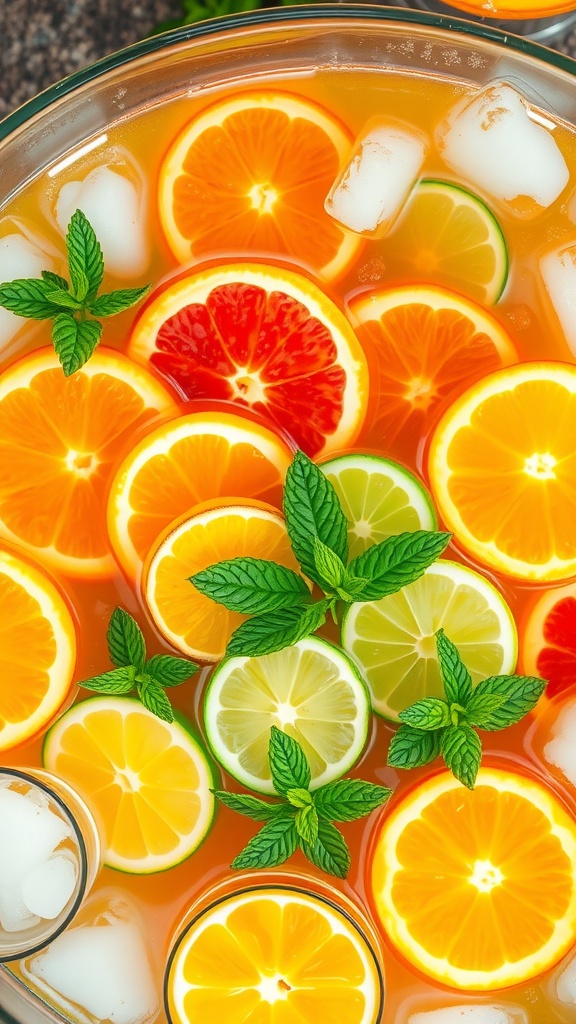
x=82 y=882
x=271 y=16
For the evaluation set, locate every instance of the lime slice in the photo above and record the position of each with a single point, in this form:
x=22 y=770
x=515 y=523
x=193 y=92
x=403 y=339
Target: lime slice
x=312 y=691
x=394 y=638
x=449 y=236
x=148 y=781
x=379 y=498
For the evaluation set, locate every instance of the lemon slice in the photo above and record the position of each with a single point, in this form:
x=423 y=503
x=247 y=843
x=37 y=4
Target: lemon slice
x=394 y=638
x=311 y=690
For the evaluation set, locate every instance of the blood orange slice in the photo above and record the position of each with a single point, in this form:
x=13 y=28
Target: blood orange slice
x=549 y=639
x=264 y=338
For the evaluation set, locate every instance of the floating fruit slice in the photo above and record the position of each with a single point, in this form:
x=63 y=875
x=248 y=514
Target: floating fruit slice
x=37 y=649
x=502 y=466
x=394 y=638
x=273 y=954
x=249 y=175
x=379 y=498
x=424 y=345
x=548 y=645
x=477 y=889
x=270 y=340
x=213 y=532
x=448 y=236
x=312 y=691
x=148 y=781
x=59 y=439
x=187 y=461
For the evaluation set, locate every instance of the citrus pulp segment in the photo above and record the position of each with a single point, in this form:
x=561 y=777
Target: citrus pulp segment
x=213 y=532
x=379 y=498
x=37 y=649
x=424 y=344
x=476 y=888
x=276 y=955
x=312 y=691
x=249 y=175
x=192 y=459
x=548 y=647
x=394 y=638
x=148 y=781
x=502 y=467
x=70 y=458
x=269 y=340
x=449 y=236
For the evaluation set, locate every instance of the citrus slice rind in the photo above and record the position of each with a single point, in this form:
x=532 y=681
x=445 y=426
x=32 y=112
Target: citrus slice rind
x=269 y=944
x=129 y=765
x=548 y=647
x=503 y=470
x=311 y=690
x=504 y=872
x=379 y=498
x=37 y=649
x=394 y=638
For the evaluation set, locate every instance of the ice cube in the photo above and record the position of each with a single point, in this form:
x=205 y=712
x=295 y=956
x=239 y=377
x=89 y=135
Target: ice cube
x=47 y=888
x=115 y=208
x=103 y=969
x=471 y=1014
x=558 y=271
x=371 y=191
x=493 y=142
x=565 y=983
x=19 y=257
x=560 y=751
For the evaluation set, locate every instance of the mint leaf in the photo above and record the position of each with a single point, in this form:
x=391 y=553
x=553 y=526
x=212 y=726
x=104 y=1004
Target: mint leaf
x=126 y=644
x=521 y=694
x=251 y=586
x=273 y=631
x=455 y=676
x=288 y=763
x=55 y=280
x=481 y=707
x=111 y=303
x=74 y=341
x=312 y=509
x=299 y=797
x=330 y=852
x=276 y=841
x=307 y=824
x=462 y=752
x=119 y=680
x=252 y=806
x=155 y=700
x=348 y=799
x=28 y=298
x=85 y=259
x=429 y=713
x=396 y=562
x=169 y=671
x=411 y=748
x=329 y=566
x=63 y=299
x=351 y=587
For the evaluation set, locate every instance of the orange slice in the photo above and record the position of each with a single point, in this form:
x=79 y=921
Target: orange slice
x=548 y=646
x=249 y=175
x=193 y=623
x=37 y=649
x=424 y=344
x=59 y=439
x=276 y=955
x=502 y=466
x=190 y=460
x=263 y=338
x=477 y=888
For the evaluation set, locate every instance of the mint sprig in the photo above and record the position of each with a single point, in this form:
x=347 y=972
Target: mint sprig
x=447 y=726
x=74 y=306
x=303 y=819
x=279 y=600
x=133 y=671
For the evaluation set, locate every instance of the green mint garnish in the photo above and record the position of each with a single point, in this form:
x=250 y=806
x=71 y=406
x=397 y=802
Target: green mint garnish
x=279 y=600
x=303 y=818
x=73 y=306
x=434 y=726
x=148 y=677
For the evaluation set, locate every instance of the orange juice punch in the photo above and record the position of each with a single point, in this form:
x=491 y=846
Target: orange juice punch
x=288 y=532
